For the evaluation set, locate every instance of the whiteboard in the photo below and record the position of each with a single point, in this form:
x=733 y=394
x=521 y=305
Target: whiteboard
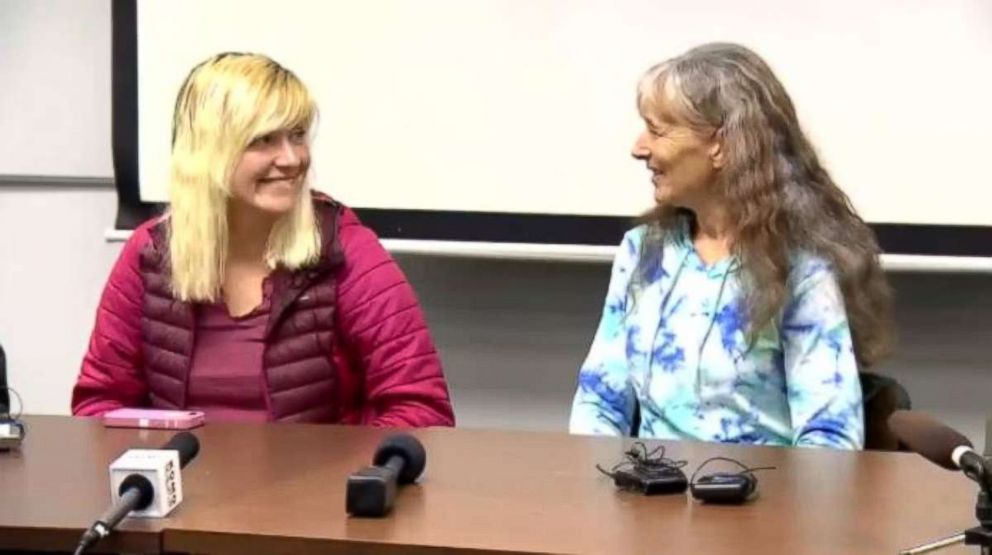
x=55 y=100
x=528 y=106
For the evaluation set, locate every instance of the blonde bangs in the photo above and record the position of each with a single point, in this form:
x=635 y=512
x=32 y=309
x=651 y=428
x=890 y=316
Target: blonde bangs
x=285 y=105
x=226 y=102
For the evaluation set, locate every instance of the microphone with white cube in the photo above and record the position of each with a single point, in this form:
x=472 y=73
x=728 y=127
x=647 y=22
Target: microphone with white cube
x=144 y=483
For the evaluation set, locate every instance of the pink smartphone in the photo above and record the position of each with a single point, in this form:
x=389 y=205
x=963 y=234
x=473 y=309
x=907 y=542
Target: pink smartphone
x=153 y=418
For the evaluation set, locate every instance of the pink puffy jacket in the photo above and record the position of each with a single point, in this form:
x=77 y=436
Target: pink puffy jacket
x=346 y=341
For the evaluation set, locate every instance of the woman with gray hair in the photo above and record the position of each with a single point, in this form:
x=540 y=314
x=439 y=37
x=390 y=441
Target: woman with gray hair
x=743 y=306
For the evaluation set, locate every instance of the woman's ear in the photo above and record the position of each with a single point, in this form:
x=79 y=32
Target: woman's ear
x=716 y=150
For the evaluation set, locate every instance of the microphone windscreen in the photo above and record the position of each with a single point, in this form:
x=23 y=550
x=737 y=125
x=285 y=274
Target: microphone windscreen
x=926 y=436
x=409 y=449
x=187 y=445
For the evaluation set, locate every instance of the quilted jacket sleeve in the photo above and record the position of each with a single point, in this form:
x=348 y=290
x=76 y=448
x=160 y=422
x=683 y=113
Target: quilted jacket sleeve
x=111 y=375
x=380 y=320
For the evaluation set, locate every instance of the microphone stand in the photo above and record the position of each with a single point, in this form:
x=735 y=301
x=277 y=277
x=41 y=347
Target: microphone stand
x=980 y=535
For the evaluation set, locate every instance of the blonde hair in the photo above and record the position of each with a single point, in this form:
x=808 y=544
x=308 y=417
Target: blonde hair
x=225 y=103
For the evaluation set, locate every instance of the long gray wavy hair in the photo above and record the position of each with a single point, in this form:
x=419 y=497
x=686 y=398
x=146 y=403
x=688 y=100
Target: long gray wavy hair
x=780 y=197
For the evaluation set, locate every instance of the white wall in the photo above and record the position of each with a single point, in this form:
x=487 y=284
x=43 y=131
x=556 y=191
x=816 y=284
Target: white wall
x=55 y=71
x=54 y=263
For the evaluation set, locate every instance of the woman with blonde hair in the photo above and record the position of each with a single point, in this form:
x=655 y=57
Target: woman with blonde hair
x=741 y=310
x=254 y=299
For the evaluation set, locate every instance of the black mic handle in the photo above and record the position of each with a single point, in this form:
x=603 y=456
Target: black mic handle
x=136 y=493
x=134 y=496
x=129 y=501
x=371 y=491
x=978 y=468
x=395 y=465
x=185 y=444
x=973 y=466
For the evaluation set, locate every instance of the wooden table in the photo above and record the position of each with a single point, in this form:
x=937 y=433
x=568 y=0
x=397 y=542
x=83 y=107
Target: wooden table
x=57 y=483
x=280 y=489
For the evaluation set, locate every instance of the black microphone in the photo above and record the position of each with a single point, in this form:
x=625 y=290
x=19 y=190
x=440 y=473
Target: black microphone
x=12 y=429
x=4 y=395
x=400 y=459
x=940 y=445
x=137 y=492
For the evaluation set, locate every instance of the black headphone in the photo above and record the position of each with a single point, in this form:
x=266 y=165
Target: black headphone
x=727 y=488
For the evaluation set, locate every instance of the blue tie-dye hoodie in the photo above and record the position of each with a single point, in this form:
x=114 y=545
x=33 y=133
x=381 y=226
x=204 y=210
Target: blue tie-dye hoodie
x=675 y=345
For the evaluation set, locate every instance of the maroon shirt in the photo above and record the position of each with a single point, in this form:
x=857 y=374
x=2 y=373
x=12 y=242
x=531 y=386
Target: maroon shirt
x=226 y=378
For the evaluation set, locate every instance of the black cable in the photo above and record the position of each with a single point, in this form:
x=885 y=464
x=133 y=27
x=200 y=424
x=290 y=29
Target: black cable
x=649 y=463
x=749 y=470
x=20 y=403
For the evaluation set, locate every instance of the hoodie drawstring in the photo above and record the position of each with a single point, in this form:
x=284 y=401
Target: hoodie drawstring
x=709 y=329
